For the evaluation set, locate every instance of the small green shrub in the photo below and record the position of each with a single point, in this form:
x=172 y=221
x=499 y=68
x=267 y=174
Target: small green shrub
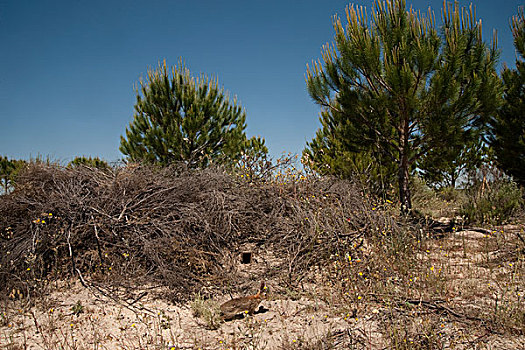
x=451 y=194
x=77 y=309
x=208 y=310
x=421 y=193
x=493 y=203
x=434 y=203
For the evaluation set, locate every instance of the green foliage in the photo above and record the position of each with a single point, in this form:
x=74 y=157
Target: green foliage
x=451 y=194
x=89 y=162
x=180 y=118
x=326 y=156
x=493 y=202
x=443 y=167
x=77 y=309
x=393 y=86
x=9 y=170
x=508 y=126
x=429 y=202
x=207 y=310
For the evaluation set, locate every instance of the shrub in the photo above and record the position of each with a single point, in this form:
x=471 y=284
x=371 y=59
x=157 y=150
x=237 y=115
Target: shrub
x=174 y=226
x=493 y=202
x=207 y=310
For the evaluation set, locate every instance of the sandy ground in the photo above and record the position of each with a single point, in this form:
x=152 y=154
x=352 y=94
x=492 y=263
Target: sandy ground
x=75 y=317
x=103 y=323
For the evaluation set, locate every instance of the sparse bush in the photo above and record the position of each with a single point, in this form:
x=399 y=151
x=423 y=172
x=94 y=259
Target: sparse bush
x=425 y=200
x=493 y=202
x=208 y=310
x=451 y=194
x=421 y=192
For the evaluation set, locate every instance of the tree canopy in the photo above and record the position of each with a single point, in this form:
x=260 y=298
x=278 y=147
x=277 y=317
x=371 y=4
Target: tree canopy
x=508 y=126
x=9 y=170
x=399 y=87
x=92 y=162
x=180 y=118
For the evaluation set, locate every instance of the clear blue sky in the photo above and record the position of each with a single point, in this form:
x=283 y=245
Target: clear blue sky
x=68 y=67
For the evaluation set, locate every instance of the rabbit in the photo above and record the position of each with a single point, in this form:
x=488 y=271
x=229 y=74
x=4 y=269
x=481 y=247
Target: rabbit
x=247 y=304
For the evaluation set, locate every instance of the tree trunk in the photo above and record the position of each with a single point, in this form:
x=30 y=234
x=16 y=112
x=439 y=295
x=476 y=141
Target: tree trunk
x=404 y=185
x=404 y=165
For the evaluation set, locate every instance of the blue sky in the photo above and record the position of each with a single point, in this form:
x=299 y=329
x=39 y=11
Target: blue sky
x=68 y=67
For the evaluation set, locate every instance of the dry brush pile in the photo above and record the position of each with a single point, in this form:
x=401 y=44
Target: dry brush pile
x=170 y=226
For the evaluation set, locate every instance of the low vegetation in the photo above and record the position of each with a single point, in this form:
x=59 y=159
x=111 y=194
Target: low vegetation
x=342 y=265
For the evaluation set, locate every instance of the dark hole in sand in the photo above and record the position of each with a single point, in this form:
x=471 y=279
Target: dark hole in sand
x=246 y=257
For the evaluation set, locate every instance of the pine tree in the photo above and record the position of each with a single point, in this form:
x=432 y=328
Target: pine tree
x=508 y=126
x=6 y=167
x=331 y=153
x=94 y=162
x=9 y=170
x=180 y=118
x=396 y=86
x=443 y=167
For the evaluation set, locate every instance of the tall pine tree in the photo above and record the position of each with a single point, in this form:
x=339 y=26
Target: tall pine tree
x=508 y=126
x=180 y=118
x=395 y=86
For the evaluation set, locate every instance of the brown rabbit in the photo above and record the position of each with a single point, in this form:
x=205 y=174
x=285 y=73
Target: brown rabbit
x=247 y=304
